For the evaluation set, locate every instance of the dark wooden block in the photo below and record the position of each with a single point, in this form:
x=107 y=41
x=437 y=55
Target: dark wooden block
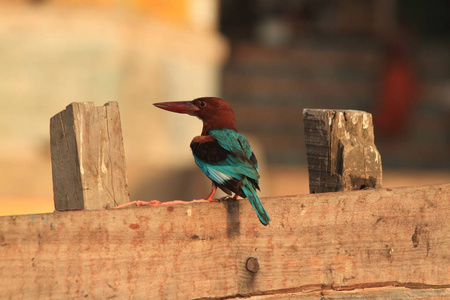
x=340 y=149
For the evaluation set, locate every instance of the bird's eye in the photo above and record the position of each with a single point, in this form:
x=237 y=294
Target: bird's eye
x=201 y=104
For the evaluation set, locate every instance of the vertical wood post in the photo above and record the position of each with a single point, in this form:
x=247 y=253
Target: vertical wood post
x=340 y=150
x=88 y=160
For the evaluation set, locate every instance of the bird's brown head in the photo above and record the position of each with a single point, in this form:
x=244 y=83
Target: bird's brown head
x=214 y=112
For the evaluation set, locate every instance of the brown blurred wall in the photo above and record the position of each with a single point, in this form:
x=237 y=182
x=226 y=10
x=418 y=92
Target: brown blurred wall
x=133 y=52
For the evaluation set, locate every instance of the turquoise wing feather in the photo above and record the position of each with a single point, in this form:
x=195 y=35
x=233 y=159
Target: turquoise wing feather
x=240 y=164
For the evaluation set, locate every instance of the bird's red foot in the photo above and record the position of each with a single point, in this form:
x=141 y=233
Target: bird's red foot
x=210 y=197
x=212 y=200
x=139 y=204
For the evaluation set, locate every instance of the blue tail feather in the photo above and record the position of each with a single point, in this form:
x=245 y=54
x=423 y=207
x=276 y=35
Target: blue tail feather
x=251 y=195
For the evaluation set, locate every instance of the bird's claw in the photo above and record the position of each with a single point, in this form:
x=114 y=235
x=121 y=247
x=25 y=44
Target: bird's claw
x=212 y=200
x=226 y=198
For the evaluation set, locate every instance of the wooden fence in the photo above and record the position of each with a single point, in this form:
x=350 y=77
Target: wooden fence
x=371 y=243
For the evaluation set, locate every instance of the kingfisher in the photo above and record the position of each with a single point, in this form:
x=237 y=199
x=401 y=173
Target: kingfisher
x=221 y=152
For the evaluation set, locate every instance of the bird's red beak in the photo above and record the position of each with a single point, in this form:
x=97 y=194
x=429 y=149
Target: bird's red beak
x=182 y=107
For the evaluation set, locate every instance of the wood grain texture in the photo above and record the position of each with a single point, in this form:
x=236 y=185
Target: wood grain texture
x=344 y=244
x=88 y=160
x=340 y=149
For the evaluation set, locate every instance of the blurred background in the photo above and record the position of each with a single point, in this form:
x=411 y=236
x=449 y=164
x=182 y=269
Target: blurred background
x=268 y=58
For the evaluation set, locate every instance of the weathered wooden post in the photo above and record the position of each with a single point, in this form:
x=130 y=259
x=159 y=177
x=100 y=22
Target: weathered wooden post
x=340 y=149
x=88 y=160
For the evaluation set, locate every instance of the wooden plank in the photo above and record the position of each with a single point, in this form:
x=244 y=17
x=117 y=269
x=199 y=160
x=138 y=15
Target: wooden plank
x=88 y=160
x=340 y=150
x=319 y=244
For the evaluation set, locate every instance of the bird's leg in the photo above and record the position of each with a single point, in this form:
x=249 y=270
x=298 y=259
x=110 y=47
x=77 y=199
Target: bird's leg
x=235 y=196
x=213 y=191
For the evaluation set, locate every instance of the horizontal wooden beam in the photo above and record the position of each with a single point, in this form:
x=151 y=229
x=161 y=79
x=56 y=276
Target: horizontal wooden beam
x=385 y=241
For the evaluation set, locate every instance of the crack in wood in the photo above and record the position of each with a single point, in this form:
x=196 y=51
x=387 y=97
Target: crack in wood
x=312 y=288
x=108 y=133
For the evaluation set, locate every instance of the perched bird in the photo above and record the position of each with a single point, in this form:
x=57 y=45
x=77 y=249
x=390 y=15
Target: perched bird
x=223 y=154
